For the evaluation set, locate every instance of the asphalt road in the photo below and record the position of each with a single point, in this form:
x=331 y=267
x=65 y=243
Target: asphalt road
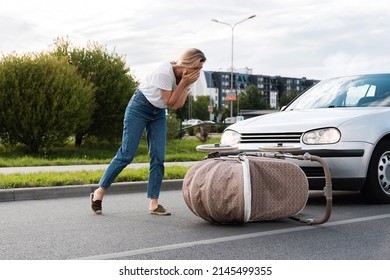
x=66 y=228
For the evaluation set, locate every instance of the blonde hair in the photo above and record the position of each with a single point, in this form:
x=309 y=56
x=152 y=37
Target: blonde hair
x=191 y=58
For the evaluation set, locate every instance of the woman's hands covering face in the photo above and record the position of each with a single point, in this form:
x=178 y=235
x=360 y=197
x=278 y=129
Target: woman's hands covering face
x=190 y=77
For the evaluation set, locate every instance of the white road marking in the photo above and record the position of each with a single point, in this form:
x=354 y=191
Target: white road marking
x=230 y=238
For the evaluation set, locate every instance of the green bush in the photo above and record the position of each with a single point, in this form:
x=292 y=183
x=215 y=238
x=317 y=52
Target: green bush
x=112 y=82
x=191 y=130
x=203 y=132
x=173 y=127
x=42 y=101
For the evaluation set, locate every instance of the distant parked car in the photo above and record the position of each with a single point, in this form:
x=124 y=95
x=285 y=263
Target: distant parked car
x=233 y=120
x=345 y=120
x=191 y=122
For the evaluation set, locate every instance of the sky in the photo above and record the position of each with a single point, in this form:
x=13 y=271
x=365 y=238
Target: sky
x=316 y=39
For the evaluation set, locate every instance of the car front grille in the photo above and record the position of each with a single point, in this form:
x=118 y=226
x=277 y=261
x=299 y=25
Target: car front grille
x=287 y=137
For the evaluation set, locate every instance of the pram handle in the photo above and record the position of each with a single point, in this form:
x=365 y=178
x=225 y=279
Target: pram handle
x=328 y=183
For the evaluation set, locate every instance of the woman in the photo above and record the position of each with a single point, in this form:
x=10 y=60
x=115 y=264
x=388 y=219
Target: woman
x=167 y=86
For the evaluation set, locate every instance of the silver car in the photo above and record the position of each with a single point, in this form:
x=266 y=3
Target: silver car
x=345 y=120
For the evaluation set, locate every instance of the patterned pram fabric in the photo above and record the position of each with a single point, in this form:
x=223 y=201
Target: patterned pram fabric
x=243 y=189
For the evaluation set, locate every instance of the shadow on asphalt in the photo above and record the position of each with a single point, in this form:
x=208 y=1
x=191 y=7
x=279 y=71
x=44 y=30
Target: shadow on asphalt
x=339 y=198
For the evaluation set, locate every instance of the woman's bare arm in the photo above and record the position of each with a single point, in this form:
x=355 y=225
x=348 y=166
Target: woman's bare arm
x=175 y=99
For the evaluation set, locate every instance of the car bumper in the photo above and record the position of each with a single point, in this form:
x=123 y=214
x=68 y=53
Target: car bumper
x=348 y=163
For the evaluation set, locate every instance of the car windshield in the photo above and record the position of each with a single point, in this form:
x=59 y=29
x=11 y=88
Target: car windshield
x=356 y=91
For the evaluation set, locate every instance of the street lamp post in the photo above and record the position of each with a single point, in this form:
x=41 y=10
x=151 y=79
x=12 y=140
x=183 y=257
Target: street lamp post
x=210 y=96
x=231 y=72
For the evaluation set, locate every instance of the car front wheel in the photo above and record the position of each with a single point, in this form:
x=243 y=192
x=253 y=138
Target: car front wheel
x=377 y=186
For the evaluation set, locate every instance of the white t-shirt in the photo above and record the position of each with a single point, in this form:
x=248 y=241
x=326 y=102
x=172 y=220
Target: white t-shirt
x=162 y=78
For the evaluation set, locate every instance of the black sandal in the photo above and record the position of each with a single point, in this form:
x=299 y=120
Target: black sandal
x=96 y=205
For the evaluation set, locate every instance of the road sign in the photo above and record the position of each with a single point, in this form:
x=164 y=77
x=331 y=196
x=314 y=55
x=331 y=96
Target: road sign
x=231 y=95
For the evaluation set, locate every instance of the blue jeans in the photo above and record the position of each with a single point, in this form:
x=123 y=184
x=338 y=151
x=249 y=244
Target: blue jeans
x=141 y=114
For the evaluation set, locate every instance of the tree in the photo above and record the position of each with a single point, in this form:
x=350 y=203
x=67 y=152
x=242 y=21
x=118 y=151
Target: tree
x=200 y=108
x=186 y=111
x=288 y=97
x=42 y=100
x=112 y=82
x=252 y=99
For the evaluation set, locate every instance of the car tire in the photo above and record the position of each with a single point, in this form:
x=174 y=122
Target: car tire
x=377 y=186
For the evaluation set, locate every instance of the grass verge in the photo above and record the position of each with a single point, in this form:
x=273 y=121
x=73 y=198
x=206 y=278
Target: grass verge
x=177 y=150
x=51 y=179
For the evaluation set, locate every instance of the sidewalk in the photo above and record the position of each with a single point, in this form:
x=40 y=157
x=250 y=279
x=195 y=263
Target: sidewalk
x=66 y=168
x=79 y=190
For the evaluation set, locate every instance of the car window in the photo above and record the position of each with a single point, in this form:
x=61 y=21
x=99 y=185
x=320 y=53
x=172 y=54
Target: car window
x=356 y=91
x=354 y=94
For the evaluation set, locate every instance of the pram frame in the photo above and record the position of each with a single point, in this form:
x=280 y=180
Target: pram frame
x=279 y=152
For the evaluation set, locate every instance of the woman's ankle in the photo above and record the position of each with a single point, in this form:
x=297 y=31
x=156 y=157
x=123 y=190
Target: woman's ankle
x=99 y=193
x=153 y=204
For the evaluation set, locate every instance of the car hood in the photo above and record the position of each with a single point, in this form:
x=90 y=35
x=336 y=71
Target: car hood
x=303 y=120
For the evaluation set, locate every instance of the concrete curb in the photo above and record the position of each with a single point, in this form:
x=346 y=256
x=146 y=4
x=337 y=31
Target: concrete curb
x=80 y=190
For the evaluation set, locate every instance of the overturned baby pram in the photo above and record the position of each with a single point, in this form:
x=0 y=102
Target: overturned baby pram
x=249 y=187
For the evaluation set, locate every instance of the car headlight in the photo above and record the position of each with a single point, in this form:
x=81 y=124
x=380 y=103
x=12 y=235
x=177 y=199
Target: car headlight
x=329 y=135
x=230 y=137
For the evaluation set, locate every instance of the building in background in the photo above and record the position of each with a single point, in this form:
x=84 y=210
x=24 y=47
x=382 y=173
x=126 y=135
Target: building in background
x=217 y=84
